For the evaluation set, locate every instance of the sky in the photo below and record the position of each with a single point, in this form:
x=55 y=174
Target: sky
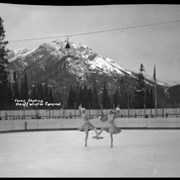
x=157 y=45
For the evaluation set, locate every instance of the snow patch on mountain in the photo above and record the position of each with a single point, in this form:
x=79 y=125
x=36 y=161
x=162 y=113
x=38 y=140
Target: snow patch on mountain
x=77 y=67
x=102 y=64
x=19 y=53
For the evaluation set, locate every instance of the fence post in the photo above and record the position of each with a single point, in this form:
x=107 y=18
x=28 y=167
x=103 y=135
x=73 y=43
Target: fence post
x=59 y=113
x=36 y=112
x=128 y=109
x=144 y=110
x=12 y=123
x=49 y=112
x=5 y=116
x=75 y=110
x=25 y=125
x=24 y=112
x=63 y=111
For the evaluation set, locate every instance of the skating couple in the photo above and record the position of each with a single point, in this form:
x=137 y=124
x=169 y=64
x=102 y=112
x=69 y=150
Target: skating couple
x=109 y=127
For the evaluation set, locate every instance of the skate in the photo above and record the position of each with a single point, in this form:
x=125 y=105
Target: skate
x=97 y=137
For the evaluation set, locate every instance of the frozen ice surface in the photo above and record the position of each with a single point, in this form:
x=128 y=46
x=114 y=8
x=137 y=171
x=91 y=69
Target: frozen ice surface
x=136 y=153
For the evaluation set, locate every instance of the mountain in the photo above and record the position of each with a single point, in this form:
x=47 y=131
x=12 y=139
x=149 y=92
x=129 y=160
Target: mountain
x=78 y=59
x=62 y=64
x=82 y=55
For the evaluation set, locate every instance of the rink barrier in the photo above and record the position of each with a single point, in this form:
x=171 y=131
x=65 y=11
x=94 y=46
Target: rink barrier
x=74 y=113
x=73 y=124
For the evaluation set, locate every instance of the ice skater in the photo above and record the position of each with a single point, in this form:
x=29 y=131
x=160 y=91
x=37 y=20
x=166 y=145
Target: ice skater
x=87 y=126
x=110 y=126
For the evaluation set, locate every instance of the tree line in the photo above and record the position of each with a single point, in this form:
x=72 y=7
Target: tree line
x=88 y=97
x=140 y=97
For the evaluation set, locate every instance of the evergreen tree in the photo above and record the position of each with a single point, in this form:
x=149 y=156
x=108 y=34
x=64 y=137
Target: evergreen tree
x=24 y=88
x=140 y=89
x=130 y=101
x=3 y=65
x=151 y=99
x=46 y=92
x=58 y=97
x=89 y=98
x=95 y=101
x=77 y=95
x=51 y=99
x=40 y=91
x=15 y=90
x=116 y=98
x=123 y=96
x=85 y=97
x=81 y=95
x=71 y=98
x=105 y=98
x=34 y=94
x=21 y=89
x=147 y=98
x=9 y=96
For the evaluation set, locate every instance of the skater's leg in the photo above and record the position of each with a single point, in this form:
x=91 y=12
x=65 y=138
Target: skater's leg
x=86 y=137
x=96 y=131
x=111 y=137
x=101 y=130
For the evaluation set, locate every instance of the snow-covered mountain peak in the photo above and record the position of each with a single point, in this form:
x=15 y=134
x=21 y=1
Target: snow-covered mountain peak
x=85 y=57
x=58 y=44
x=22 y=50
x=19 y=53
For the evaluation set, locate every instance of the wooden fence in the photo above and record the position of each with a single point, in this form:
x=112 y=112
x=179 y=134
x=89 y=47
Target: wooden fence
x=74 y=113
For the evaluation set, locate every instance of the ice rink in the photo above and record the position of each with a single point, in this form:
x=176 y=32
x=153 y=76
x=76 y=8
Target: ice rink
x=136 y=153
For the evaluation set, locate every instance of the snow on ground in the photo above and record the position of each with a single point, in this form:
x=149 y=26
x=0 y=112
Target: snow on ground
x=136 y=153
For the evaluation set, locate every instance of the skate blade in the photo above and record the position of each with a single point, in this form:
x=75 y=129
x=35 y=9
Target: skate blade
x=95 y=137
